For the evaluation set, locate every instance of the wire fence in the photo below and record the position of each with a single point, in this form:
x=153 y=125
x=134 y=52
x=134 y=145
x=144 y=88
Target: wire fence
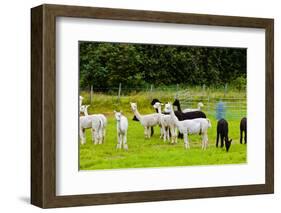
x=235 y=107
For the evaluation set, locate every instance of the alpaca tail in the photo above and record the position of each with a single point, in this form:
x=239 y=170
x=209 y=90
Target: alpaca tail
x=100 y=128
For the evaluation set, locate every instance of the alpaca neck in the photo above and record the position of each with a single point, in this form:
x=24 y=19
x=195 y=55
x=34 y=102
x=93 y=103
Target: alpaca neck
x=178 y=107
x=138 y=115
x=174 y=117
x=159 y=110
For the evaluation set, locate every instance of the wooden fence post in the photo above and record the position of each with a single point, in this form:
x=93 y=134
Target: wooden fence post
x=151 y=89
x=119 y=92
x=225 y=89
x=91 y=95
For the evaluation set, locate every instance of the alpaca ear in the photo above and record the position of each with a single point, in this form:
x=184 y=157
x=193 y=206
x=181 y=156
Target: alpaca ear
x=121 y=111
x=230 y=140
x=114 y=111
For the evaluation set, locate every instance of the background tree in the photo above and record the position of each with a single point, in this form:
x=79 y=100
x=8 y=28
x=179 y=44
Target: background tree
x=105 y=65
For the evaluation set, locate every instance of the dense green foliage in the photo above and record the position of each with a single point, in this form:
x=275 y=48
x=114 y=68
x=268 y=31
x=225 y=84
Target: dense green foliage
x=105 y=65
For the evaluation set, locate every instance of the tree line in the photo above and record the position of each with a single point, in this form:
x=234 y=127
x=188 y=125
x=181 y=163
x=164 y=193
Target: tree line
x=105 y=65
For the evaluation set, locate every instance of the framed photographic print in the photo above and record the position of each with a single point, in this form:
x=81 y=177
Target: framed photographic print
x=136 y=106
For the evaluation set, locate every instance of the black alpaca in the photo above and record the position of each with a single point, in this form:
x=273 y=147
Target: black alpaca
x=222 y=133
x=186 y=115
x=243 y=128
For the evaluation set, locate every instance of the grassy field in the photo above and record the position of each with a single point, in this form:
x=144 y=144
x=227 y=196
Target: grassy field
x=153 y=152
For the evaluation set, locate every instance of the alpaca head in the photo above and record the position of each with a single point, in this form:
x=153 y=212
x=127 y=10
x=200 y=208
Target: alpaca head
x=84 y=108
x=133 y=106
x=118 y=115
x=157 y=105
x=176 y=102
x=200 y=104
x=227 y=144
x=155 y=100
x=168 y=108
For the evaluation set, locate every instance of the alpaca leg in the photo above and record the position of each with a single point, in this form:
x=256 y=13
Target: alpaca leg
x=145 y=132
x=82 y=136
x=164 y=133
x=176 y=135
x=186 y=144
x=241 y=136
x=204 y=141
x=100 y=136
x=245 y=136
x=96 y=134
x=161 y=132
x=149 y=131
x=222 y=143
x=94 y=137
x=171 y=136
x=168 y=133
x=119 y=141
x=217 y=143
x=103 y=134
x=125 y=145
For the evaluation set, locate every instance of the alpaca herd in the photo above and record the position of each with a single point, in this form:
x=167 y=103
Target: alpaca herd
x=172 y=123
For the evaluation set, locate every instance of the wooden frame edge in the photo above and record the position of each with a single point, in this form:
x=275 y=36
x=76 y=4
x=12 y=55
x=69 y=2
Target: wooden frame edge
x=36 y=106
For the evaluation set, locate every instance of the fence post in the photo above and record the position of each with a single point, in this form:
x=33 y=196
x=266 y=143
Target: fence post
x=225 y=89
x=203 y=93
x=151 y=89
x=177 y=90
x=119 y=92
x=208 y=105
x=91 y=95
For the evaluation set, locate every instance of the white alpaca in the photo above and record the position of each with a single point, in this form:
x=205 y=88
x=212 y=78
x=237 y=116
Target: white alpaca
x=167 y=124
x=194 y=126
x=93 y=122
x=84 y=109
x=122 y=127
x=199 y=106
x=147 y=121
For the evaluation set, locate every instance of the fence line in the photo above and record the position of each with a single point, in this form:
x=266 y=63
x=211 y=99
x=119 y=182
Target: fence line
x=235 y=106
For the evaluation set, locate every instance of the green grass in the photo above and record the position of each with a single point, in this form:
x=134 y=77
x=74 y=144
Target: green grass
x=153 y=152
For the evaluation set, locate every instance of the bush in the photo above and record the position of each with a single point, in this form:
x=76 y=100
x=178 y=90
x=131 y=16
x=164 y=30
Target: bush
x=240 y=83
